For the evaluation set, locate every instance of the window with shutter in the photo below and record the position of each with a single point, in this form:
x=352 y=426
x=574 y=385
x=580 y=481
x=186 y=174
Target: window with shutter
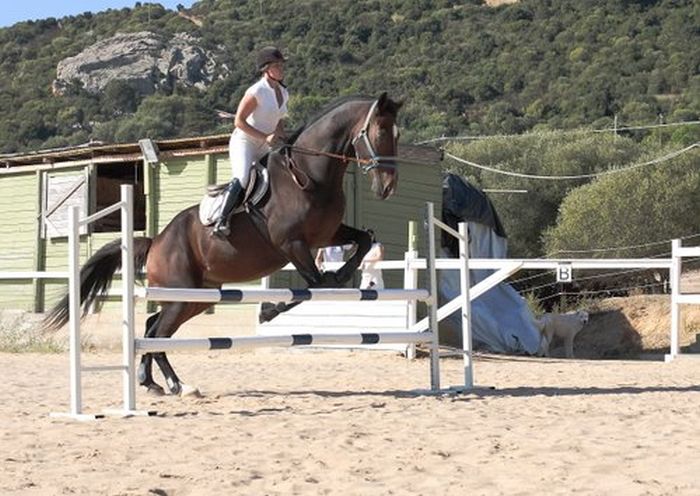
x=61 y=191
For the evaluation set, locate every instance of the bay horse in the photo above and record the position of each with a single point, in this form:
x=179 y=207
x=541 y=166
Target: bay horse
x=302 y=212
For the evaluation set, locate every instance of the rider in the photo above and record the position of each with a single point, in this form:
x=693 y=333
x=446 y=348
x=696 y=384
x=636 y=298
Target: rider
x=258 y=125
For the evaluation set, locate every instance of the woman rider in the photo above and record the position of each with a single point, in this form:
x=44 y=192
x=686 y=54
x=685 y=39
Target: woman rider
x=258 y=125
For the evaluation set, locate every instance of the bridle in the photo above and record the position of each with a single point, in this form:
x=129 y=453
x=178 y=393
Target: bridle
x=365 y=164
x=363 y=137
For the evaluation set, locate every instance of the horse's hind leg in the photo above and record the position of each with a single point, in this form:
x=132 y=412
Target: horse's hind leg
x=145 y=373
x=172 y=316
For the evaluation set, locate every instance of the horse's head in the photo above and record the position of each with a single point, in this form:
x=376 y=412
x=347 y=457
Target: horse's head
x=376 y=139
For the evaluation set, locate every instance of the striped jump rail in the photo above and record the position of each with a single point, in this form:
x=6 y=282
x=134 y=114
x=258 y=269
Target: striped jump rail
x=280 y=295
x=157 y=345
x=131 y=345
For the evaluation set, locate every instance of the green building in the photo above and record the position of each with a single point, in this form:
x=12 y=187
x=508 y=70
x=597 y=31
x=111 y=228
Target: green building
x=37 y=188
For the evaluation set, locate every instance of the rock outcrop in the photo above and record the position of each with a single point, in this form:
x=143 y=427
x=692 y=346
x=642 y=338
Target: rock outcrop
x=145 y=60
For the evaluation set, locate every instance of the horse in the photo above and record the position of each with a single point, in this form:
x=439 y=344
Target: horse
x=302 y=211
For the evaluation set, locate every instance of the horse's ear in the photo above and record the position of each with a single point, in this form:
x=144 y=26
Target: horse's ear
x=387 y=105
x=382 y=101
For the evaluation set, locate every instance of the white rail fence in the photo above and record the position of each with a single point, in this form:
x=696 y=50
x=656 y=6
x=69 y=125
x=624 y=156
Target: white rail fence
x=414 y=333
x=130 y=344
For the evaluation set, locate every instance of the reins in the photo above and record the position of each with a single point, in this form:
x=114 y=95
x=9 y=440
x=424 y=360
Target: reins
x=365 y=164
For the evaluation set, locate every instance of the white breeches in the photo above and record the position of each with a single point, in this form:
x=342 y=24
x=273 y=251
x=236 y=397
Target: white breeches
x=243 y=152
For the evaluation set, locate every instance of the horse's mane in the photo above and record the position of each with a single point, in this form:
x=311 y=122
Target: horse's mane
x=330 y=107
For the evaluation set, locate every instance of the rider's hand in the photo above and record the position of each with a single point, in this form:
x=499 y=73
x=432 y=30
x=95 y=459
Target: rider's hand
x=271 y=139
x=276 y=137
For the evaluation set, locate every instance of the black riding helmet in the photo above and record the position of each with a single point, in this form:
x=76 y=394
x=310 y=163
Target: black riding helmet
x=268 y=55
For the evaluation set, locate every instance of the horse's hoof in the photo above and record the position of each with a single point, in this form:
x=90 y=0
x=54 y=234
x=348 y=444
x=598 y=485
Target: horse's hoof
x=267 y=316
x=155 y=390
x=190 y=392
x=329 y=280
x=267 y=312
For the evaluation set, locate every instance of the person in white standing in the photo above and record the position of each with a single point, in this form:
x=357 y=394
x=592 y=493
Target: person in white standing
x=258 y=124
x=330 y=254
x=371 y=274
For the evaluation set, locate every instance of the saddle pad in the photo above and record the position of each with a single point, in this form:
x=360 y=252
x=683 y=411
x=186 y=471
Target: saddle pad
x=210 y=208
x=212 y=204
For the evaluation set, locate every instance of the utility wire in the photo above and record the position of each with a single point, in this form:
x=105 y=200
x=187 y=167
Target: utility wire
x=597 y=276
x=600 y=250
x=664 y=158
x=584 y=278
x=553 y=131
x=617 y=248
x=580 y=293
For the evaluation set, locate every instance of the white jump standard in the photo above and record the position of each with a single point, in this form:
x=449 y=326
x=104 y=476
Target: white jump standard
x=132 y=345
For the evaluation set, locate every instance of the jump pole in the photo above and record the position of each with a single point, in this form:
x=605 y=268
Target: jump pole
x=429 y=225
x=152 y=345
x=465 y=283
x=128 y=313
x=74 y=342
x=235 y=296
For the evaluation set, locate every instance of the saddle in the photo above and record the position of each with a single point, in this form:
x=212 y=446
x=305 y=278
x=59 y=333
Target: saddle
x=213 y=202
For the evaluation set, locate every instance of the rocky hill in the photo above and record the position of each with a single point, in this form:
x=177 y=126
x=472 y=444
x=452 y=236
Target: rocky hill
x=147 y=61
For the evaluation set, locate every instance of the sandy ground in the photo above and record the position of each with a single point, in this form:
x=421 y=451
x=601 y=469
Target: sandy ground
x=294 y=422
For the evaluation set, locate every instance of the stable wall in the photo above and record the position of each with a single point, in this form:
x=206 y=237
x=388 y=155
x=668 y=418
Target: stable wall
x=19 y=204
x=169 y=187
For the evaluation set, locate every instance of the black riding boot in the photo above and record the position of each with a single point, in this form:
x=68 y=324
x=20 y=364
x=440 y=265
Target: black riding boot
x=235 y=194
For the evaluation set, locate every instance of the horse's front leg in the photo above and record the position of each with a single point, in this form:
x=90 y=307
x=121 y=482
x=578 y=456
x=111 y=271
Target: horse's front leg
x=361 y=239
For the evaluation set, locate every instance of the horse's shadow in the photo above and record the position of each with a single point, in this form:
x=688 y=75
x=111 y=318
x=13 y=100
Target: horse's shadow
x=524 y=391
x=478 y=393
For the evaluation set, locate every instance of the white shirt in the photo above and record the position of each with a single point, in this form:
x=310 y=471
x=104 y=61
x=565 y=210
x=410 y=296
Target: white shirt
x=267 y=113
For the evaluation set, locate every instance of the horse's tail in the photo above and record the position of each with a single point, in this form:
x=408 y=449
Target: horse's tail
x=96 y=277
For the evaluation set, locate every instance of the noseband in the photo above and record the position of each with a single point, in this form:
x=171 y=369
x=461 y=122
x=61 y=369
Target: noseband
x=363 y=136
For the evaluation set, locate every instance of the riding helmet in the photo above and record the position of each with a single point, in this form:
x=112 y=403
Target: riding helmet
x=268 y=55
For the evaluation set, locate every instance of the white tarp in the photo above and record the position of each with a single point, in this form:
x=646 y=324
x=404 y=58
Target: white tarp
x=501 y=319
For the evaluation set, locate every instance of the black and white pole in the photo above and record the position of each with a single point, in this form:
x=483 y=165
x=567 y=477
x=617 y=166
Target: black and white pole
x=235 y=296
x=154 y=345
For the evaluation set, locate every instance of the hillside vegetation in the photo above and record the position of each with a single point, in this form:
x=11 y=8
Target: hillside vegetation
x=462 y=67
x=543 y=74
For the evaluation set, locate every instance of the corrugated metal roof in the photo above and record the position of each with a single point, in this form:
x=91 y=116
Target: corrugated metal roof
x=201 y=144
x=102 y=153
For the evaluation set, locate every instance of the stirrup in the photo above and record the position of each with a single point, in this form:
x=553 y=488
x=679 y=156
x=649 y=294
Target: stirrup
x=221 y=229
